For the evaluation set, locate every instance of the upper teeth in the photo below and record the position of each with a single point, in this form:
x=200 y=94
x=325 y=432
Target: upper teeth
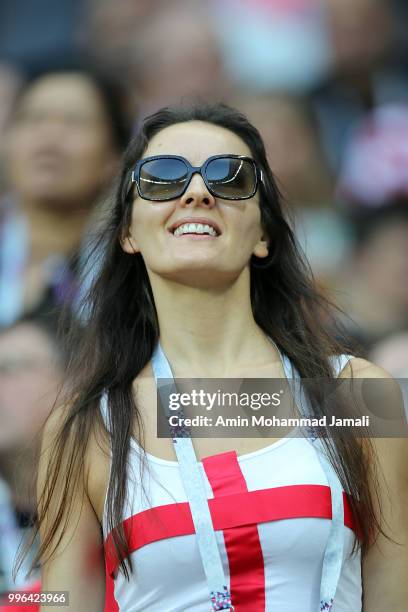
x=194 y=228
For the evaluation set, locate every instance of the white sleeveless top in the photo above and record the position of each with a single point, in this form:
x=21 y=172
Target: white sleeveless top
x=271 y=511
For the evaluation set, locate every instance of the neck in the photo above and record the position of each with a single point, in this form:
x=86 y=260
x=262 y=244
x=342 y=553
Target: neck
x=53 y=230
x=210 y=333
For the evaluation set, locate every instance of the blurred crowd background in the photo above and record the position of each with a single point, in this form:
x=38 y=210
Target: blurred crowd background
x=326 y=83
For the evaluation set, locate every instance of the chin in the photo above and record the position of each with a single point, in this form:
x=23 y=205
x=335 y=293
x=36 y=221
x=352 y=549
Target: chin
x=204 y=276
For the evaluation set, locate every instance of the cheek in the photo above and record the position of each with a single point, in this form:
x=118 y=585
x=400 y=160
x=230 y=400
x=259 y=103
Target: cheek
x=17 y=416
x=248 y=225
x=253 y=234
x=149 y=220
x=86 y=149
x=138 y=225
x=17 y=151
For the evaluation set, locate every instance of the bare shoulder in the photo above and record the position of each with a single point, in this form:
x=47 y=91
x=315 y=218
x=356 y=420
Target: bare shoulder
x=362 y=368
x=386 y=562
x=69 y=527
x=96 y=459
x=392 y=453
x=51 y=430
x=97 y=467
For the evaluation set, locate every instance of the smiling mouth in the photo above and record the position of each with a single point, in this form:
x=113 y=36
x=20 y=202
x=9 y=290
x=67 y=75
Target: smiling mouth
x=195 y=229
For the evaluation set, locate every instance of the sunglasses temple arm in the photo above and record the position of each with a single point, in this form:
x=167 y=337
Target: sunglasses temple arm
x=129 y=185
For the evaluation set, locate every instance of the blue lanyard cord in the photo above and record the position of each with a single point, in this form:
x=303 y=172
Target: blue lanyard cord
x=193 y=483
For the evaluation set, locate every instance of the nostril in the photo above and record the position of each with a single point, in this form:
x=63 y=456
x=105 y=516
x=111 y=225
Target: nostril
x=191 y=200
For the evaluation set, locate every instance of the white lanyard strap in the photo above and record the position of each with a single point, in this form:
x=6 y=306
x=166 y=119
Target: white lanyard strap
x=193 y=483
x=333 y=554
x=194 y=486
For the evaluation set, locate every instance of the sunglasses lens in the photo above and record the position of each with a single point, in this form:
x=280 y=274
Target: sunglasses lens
x=233 y=178
x=162 y=179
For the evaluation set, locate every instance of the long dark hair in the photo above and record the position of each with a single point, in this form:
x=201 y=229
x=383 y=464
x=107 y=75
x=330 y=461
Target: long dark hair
x=121 y=331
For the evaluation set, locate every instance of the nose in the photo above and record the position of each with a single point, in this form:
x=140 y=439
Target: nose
x=197 y=193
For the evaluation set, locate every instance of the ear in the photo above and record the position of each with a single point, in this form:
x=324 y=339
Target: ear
x=261 y=249
x=129 y=245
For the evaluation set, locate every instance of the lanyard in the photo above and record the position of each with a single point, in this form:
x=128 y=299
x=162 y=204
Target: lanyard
x=333 y=554
x=193 y=483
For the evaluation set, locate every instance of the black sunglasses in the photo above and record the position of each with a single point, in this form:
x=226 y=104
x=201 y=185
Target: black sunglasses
x=166 y=177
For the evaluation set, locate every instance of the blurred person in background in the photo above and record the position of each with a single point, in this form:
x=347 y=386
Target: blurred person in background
x=61 y=151
x=373 y=185
x=177 y=55
x=304 y=178
x=161 y=50
x=366 y=70
x=31 y=366
x=108 y=31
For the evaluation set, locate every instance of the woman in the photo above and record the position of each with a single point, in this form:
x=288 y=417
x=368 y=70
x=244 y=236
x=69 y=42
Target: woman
x=234 y=301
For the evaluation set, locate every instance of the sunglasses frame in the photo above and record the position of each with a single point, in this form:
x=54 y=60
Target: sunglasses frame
x=194 y=170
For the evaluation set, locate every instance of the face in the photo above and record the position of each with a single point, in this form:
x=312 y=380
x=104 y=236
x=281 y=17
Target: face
x=190 y=258
x=28 y=382
x=191 y=64
x=59 y=145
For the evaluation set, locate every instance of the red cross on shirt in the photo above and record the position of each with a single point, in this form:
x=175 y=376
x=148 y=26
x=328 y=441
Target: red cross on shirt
x=236 y=511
